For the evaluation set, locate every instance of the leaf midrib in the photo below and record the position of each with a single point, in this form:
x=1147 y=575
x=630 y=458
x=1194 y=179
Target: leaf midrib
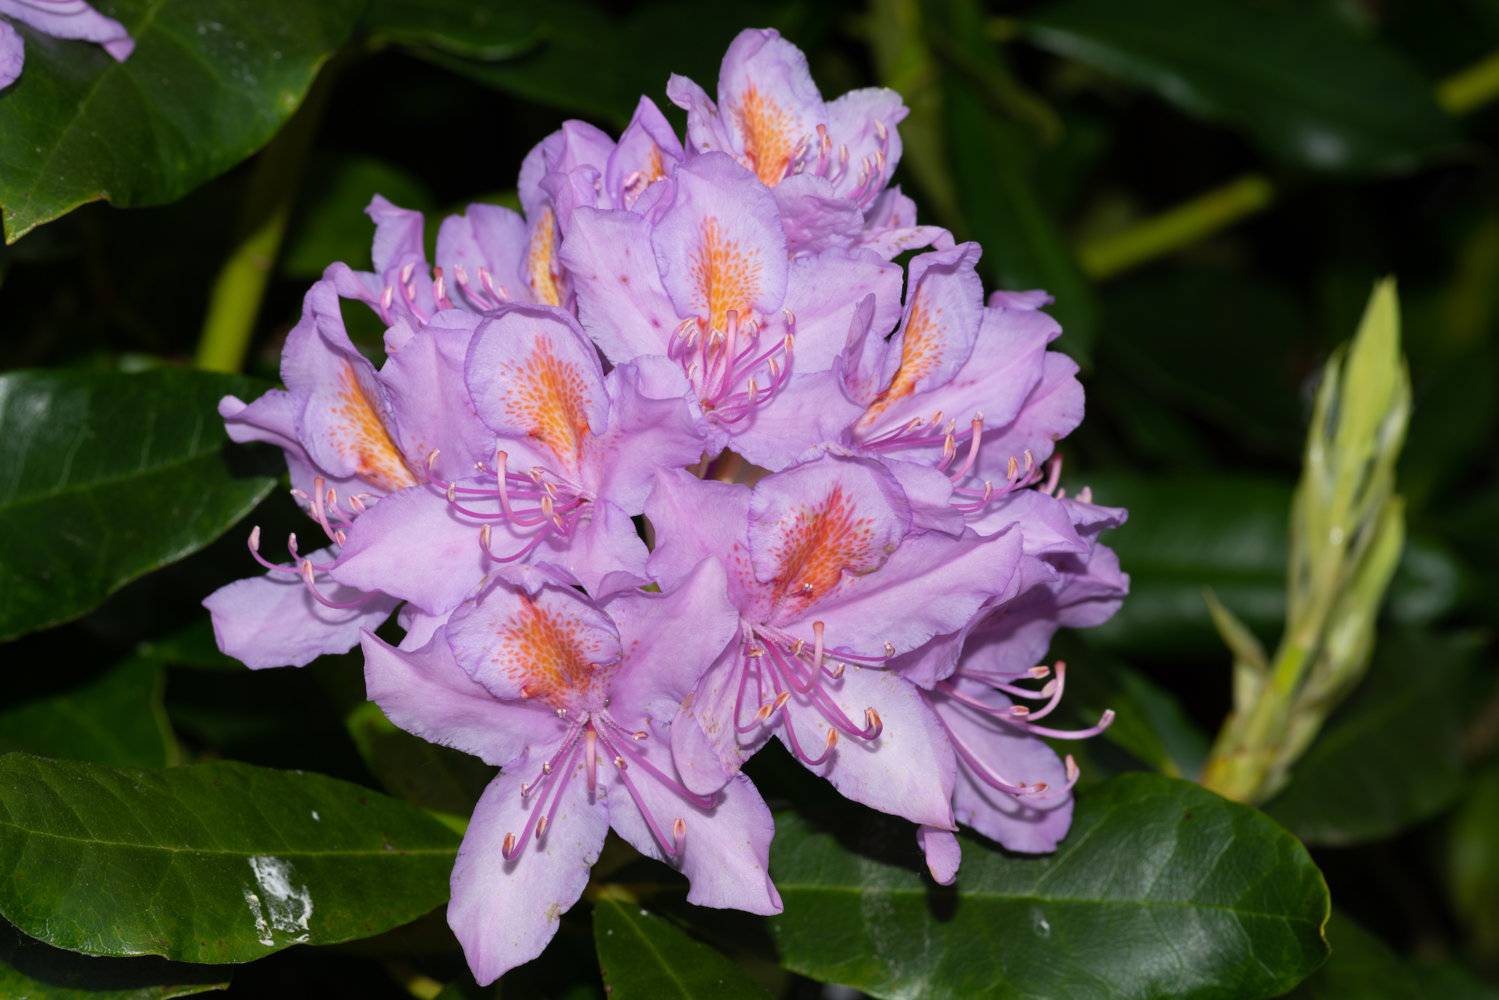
x=27 y=499
x=234 y=852
x=980 y=896
x=660 y=958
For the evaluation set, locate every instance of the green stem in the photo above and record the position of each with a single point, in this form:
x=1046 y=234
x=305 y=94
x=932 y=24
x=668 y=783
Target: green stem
x=234 y=303
x=1471 y=88
x=1179 y=227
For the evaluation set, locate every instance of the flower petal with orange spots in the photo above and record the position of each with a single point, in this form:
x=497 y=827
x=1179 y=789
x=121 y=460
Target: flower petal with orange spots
x=720 y=247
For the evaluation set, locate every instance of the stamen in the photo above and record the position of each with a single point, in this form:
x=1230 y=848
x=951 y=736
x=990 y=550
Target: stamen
x=976 y=436
x=590 y=757
x=307 y=572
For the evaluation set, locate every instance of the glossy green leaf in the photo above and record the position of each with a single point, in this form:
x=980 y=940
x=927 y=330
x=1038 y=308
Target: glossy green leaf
x=1472 y=863
x=646 y=957
x=31 y=970
x=472 y=28
x=1213 y=345
x=209 y=83
x=592 y=62
x=411 y=769
x=994 y=161
x=1150 y=723
x=220 y=862
x=1227 y=533
x=1302 y=83
x=1392 y=755
x=1160 y=889
x=109 y=476
x=331 y=224
x=1360 y=966
x=115 y=719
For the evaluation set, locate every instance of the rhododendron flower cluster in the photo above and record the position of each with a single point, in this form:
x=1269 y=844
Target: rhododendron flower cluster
x=675 y=461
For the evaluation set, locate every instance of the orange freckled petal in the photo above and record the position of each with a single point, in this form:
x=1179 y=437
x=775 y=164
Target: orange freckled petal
x=920 y=353
x=819 y=545
x=768 y=133
x=548 y=397
x=543 y=270
x=547 y=656
x=359 y=434
x=726 y=276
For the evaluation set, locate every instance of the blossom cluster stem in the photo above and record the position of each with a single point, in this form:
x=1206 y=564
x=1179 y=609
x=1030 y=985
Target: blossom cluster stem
x=234 y=302
x=1228 y=204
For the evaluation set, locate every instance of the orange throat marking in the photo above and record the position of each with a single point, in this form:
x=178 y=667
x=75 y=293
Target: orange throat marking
x=726 y=277
x=546 y=657
x=819 y=545
x=360 y=434
x=542 y=269
x=920 y=352
x=549 y=398
x=767 y=131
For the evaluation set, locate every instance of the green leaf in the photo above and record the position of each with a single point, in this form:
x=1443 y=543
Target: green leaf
x=220 y=862
x=426 y=774
x=994 y=162
x=209 y=83
x=469 y=28
x=1306 y=87
x=31 y=970
x=116 y=719
x=1472 y=862
x=1392 y=755
x=109 y=476
x=192 y=645
x=588 y=61
x=644 y=956
x=1360 y=966
x=1237 y=379
x=1161 y=889
x=1149 y=721
x=1183 y=534
x=332 y=224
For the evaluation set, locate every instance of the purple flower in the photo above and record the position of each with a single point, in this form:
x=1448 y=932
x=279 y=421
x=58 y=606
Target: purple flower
x=1010 y=786
x=830 y=583
x=61 y=19
x=572 y=455
x=709 y=286
x=828 y=164
x=962 y=387
x=352 y=436
x=574 y=700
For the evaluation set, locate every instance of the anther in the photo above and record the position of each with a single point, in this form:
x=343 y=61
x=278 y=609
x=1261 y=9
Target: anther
x=889 y=649
x=620 y=763
x=508 y=847
x=406 y=272
x=432 y=459
x=541 y=828
x=679 y=833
